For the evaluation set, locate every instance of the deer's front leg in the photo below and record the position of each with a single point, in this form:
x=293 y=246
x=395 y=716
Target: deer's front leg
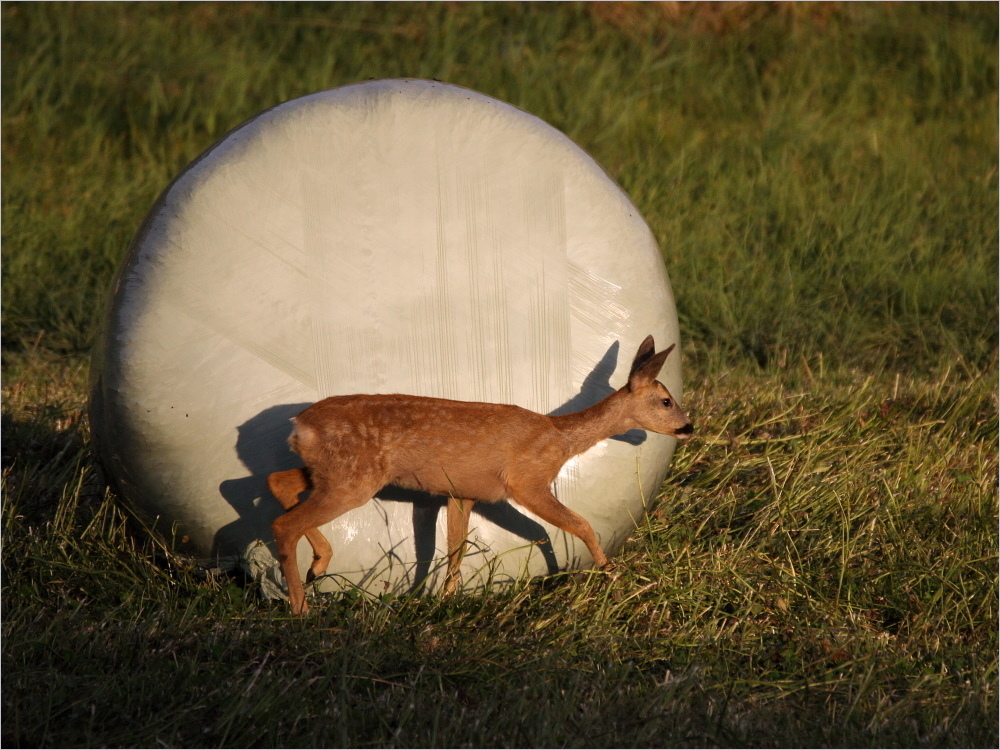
x=458 y=532
x=538 y=498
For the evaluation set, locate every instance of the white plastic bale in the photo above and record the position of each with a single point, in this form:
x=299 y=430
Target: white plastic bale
x=395 y=236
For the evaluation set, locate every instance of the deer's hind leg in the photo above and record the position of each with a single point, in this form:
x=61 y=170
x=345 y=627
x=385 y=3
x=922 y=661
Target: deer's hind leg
x=327 y=501
x=286 y=486
x=540 y=501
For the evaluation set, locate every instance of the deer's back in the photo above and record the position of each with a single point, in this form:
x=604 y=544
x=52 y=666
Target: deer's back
x=466 y=449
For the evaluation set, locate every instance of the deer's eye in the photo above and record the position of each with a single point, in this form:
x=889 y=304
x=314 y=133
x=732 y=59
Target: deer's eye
x=667 y=403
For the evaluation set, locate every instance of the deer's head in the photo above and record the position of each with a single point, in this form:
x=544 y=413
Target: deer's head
x=652 y=406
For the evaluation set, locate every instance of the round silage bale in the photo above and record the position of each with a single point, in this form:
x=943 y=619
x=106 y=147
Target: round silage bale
x=394 y=236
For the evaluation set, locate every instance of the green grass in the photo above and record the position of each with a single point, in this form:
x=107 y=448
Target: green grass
x=821 y=566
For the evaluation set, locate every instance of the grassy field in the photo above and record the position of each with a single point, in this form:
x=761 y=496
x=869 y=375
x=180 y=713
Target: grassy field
x=820 y=568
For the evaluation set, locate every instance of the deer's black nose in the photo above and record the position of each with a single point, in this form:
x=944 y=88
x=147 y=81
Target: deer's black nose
x=685 y=430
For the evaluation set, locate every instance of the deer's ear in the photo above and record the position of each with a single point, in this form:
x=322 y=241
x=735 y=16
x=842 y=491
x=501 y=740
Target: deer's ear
x=646 y=372
x=646 y=349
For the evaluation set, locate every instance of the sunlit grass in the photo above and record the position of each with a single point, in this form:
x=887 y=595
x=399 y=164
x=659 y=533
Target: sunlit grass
x=820 y=569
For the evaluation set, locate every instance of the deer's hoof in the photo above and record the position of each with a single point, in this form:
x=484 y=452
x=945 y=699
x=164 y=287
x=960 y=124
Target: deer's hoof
x=612 y=570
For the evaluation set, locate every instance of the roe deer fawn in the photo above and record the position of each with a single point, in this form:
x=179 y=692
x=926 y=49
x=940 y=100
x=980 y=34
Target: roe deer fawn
x=352 y=446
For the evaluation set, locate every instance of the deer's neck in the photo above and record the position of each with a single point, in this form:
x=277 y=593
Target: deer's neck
x=584 y=429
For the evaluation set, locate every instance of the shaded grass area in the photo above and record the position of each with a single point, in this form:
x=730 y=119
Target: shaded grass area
x=819 y=177
x=821 y=569
x=821 y=566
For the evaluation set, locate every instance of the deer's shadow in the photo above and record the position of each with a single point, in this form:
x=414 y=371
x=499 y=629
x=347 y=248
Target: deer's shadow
x=262 y=447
